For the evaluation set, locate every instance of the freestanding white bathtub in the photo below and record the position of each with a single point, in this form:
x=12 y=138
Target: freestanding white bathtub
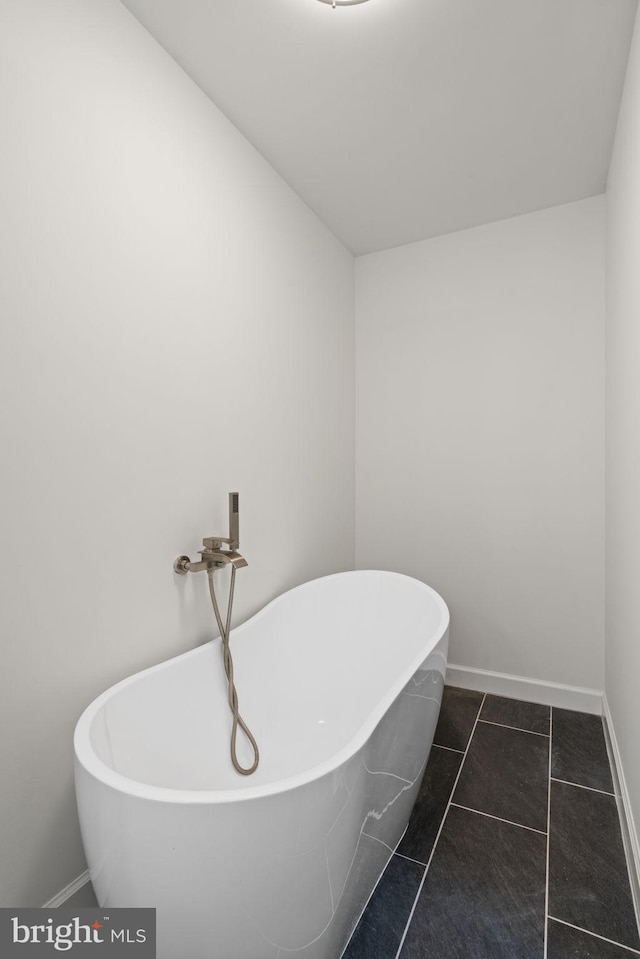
x=340 y=681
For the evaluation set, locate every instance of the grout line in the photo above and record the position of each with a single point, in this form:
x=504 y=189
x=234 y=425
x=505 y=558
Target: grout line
x=418 y=862
x=566 y=782
x=371 y=894
x=520 y=729
x=613 y=942
x=546 y=869
x=435 y=844
x=450 y=748
x=509 y=822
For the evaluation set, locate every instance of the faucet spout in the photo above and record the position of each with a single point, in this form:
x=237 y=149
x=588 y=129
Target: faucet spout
x=211 y=559
x=222 y=557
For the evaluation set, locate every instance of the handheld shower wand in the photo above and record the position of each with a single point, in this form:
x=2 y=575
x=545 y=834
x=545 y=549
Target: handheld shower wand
x=214 y=557
x=234 y=521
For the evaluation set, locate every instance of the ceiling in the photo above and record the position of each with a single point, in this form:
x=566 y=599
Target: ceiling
x=397 y=120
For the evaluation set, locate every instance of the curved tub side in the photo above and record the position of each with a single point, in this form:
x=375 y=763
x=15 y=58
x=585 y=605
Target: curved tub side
x=162 y=734
x=286 y=873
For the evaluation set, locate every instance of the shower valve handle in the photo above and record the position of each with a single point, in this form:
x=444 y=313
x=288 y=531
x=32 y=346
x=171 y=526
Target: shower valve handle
x=215 y=542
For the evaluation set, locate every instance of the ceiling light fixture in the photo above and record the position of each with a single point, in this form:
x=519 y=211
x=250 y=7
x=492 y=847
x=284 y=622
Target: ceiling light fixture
x=342 y=3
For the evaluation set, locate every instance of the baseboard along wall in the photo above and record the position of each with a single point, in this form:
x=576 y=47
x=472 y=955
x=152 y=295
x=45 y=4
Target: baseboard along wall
x=79 y=893
x=530 y=690
x=629 y=831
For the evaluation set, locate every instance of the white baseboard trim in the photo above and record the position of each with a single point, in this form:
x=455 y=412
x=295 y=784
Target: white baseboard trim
x=68 y=891
x=529 y=690
x=629 y=832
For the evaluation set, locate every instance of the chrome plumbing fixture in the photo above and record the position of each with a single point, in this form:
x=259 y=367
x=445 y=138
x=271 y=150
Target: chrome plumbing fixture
x=215 y=556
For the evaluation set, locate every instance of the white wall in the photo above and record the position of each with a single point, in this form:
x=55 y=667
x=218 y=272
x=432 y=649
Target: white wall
x=480 y=439
x=175 y=324
x=623 y=430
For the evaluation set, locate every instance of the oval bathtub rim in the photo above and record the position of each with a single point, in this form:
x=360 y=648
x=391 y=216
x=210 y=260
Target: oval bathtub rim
x=86 y=757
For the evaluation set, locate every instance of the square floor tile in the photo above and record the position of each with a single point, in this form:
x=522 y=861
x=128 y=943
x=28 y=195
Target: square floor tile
x=579 y=753
x=458 y=713
x=431 y=804
x=588 y=879
x=484 y=894
x=506 y=774
x=516 y=713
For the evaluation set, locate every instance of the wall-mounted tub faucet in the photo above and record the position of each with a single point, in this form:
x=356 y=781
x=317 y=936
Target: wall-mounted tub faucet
x=214 y=555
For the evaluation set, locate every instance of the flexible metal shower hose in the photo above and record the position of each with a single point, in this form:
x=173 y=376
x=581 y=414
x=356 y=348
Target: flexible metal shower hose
x=228 y=668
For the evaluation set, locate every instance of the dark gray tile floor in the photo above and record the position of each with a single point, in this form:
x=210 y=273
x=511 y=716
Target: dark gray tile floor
x=514 y=848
